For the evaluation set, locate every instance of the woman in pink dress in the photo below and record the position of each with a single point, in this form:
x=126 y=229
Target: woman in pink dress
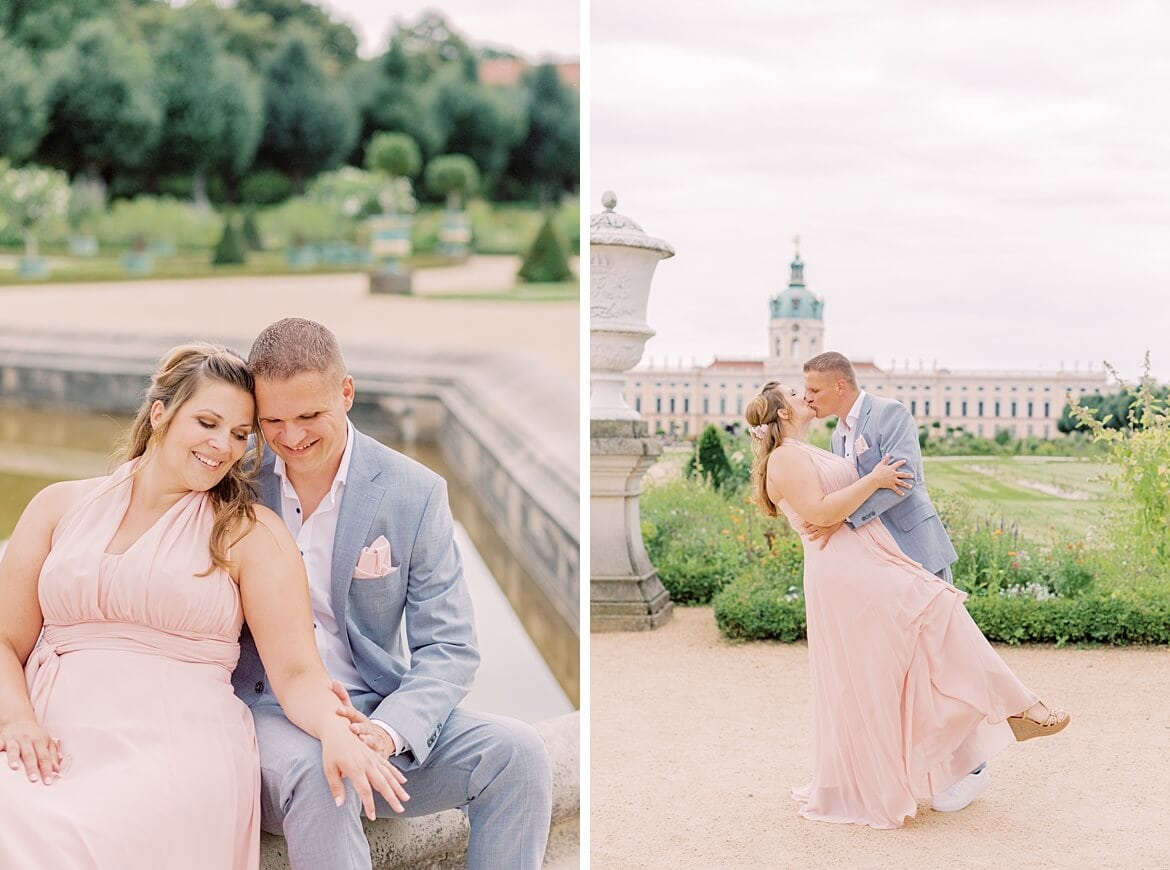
x=908 y=696
x=125 y=745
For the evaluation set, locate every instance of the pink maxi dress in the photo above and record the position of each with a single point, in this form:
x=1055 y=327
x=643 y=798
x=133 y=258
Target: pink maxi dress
x=132 y=675
x=908 y=696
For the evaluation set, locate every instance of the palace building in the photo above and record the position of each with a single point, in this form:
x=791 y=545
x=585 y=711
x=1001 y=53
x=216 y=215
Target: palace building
x=680 y=401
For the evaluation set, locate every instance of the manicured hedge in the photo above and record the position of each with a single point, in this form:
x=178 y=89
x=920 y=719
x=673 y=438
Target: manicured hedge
x=755 y=609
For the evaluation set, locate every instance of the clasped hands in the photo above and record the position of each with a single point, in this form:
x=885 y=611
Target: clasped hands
x=370 y=773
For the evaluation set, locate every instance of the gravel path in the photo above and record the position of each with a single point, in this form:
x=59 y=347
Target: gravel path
x=547 y=331
x=696 y=742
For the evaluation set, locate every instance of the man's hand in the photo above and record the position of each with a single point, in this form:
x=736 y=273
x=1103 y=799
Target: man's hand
x=370 y=734
x=821 y=534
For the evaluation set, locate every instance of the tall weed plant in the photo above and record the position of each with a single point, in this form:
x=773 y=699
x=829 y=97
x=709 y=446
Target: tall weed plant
x=1140 y=524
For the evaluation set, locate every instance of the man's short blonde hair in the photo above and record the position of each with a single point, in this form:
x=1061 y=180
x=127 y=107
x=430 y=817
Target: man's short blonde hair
x=832 y=363
x=292 y=346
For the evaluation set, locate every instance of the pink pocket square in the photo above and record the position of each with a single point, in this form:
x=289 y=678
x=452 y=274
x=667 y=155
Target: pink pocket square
x=860 y=445
x=374 y=562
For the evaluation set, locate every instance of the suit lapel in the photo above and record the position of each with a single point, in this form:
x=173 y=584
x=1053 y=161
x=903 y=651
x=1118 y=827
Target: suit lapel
x=270 y=483
x=359 y=507
x=862 y=424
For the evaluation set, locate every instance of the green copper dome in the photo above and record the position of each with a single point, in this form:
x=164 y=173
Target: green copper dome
x=797 y=301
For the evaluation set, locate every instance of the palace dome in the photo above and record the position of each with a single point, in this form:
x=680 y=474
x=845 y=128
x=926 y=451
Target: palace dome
x=797 y=301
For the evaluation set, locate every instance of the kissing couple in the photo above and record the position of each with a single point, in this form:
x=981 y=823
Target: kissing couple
x=909 y=698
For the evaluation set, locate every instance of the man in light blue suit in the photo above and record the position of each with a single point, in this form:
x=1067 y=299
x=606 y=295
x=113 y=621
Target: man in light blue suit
x=376 y=533
x=869 y=427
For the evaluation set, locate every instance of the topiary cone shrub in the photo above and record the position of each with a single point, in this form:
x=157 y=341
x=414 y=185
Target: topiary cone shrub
x=230 y=250
x=546 y=259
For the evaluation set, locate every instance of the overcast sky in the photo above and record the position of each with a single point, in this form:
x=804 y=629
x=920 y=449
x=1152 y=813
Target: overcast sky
x=982 y=184
x=535 y=29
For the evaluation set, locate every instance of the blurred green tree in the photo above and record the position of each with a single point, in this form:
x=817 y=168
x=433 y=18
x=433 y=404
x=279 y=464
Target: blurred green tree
x=23 y=112
x=309 y=123
x=484 y=122
x=454 y=176
x=548 y=159
x=396 y=156
x=211 y=102
x=103 y=112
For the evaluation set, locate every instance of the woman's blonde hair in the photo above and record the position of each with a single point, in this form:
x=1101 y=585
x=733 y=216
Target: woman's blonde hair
x=180 y=373
x=763 y=417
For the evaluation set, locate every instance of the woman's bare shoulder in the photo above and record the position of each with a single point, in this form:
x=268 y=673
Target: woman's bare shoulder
x=45 y=509
x=786 y=453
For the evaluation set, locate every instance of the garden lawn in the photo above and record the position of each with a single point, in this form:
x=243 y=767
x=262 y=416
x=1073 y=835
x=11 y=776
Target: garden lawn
x=1043 y=495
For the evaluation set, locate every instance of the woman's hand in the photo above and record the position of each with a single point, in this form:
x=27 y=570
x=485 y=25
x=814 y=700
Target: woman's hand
x=25 y=742
x=343 y=755
x=889 y=475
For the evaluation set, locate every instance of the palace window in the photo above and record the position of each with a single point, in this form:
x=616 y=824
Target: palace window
x=706 y=405
x=658 y=404
x=926 y=408
x=997 y=408
x=913 y=407
x=672 y=404
x=1013 y=411
x=638 y=404
x=686 y=406
x=722 y=405
x=1047 y=412
x=947 y=407
x=963 y=408
x=980 y=411
x=1029 y=414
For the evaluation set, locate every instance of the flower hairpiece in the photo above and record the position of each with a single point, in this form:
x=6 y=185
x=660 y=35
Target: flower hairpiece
x=759 y=431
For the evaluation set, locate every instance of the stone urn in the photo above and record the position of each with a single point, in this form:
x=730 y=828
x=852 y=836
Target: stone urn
x=622 y=260
x=624 y=590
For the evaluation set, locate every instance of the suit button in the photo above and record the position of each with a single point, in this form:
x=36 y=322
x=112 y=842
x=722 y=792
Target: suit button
x=259 y=688
x=431 y=741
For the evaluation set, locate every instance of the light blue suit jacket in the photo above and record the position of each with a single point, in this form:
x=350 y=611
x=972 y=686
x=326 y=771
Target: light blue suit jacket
x=912 y=519
x=389 y=494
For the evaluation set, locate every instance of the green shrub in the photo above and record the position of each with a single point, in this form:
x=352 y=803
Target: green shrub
x=251 y=232
x=265 y=187
x=700 y=540
x=157 y=219
x=760 y=608
x=300 y=221
x=717 y=546
x=756 y=607
x=709 y=461
x=230 y=250
x=546 y=260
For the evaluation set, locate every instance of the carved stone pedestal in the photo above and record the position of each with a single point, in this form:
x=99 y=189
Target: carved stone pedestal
x=624 y=590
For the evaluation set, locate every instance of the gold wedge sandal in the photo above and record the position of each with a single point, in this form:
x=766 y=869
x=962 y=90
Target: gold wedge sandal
x=1025 y=728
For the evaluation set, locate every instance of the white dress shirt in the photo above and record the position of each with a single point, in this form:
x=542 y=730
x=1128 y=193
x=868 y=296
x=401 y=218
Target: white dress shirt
x=847 y=426
x=315 y=537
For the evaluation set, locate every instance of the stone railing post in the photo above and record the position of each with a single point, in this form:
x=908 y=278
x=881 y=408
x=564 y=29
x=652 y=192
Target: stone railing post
x=624 y=589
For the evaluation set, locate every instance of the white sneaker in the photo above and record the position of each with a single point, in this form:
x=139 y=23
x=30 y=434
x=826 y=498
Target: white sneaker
x=960 y=795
